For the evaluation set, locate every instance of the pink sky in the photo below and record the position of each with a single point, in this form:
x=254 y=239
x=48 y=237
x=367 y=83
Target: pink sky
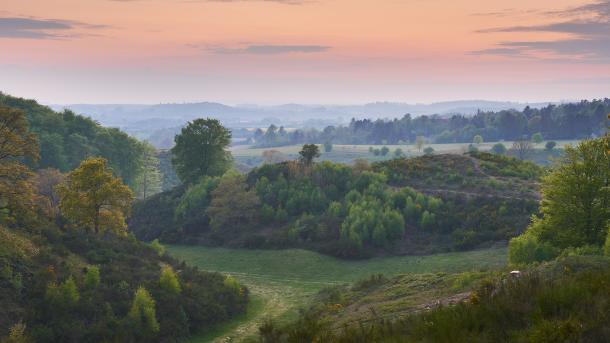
x=309 y=51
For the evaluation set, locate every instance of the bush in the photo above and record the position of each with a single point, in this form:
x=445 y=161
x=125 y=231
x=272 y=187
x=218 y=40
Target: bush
x=550 y=145
x=527 y=249
x=498 y=149
x=429 y=150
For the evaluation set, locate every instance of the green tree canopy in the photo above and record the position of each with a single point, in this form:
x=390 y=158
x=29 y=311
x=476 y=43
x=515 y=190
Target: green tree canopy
x=499 y=149
x=201 y=150
x=142 y=316
x=308 y=153
x=233 y=206
x=575 y=204
x=537 y=138
x=576 y=196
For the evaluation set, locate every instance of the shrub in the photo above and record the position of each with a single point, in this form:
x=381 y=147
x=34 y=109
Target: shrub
x=92 y=278
x=550 y=145
x=498 y=149
x=158 y=247
x=527 y=249
x=429 y=150
x=169 y=281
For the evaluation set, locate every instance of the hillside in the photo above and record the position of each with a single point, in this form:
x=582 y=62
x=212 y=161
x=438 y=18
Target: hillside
x=69 y=269
x=435 y=203
x=563 y=300
x=92 y=308
x=65 y=139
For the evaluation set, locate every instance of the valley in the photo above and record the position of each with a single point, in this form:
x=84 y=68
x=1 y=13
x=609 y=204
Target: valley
x=282 y=281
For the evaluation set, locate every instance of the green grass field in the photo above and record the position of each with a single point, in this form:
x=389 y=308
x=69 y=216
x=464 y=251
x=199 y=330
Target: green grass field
x=281 y=281
x=348 y=153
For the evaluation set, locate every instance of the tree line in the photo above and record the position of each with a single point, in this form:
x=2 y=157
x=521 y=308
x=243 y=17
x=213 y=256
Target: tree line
x=580 y=120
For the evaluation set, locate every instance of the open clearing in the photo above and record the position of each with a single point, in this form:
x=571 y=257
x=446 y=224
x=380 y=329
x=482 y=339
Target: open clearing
x=281 y=281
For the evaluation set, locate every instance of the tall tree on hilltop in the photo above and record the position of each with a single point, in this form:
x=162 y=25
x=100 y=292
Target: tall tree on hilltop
x=308 y=153
x=201 y=150
x=93 y=198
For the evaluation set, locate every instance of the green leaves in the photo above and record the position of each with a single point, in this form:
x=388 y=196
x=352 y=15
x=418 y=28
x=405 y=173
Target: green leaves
x=201 y=150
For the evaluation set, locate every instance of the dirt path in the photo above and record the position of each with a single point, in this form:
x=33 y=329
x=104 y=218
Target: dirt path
x=274 y=304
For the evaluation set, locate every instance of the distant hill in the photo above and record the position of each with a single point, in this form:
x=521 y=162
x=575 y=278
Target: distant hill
x=143 y=120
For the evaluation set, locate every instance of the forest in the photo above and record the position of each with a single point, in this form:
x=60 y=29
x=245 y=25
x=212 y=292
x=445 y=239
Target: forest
x=554 y=122
x=70 y=271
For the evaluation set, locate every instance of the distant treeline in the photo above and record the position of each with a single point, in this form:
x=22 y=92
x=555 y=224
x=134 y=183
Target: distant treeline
x=566 y=121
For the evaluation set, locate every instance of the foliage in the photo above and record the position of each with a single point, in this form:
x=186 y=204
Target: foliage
x=142 y=315
x=575 y=205
x=92 y=277
x=537 y=138
x=232 y=206
x=16 y=144
x=308 y=153
x=576 y=198
x=550 y=145
x=564 y=301
x=169 y=281
x=526 y=249
x=200 y=150
x=158 y=247
x=384 y=150
x=66 y=139
x=148 y=181
x=93 y=198
x=351 y=211
x=579 y=120
x=478 y=139
x=429 y=150
x=498 y=149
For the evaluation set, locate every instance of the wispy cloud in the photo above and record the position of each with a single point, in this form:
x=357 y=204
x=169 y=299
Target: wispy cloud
x=265 y=49
x=588 y=27
x=34 y=28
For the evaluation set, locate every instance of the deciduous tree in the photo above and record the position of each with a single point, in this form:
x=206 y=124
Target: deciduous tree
x=201 y=150
x=308 y=153
x=233 y=206
x=93 y=198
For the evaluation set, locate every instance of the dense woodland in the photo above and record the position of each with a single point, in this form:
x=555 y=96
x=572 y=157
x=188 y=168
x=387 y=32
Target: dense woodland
x=70 y=271
x=426 y=204
x=566 y=121
x=65 y=139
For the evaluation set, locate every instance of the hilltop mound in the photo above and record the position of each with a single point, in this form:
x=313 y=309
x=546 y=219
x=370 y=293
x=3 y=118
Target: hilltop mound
x=403 y=206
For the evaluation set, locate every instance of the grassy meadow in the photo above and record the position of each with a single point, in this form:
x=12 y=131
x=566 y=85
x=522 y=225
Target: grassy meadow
x=281 y=281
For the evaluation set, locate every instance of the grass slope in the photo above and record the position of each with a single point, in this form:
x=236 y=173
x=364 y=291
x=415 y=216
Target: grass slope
x=281 y=281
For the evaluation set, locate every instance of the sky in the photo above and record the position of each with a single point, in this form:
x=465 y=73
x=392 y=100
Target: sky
x=304 y=51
